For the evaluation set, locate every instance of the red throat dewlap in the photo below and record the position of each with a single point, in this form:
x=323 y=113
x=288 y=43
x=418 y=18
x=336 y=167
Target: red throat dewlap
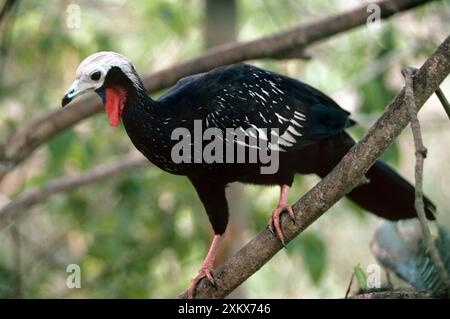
x=115 y=101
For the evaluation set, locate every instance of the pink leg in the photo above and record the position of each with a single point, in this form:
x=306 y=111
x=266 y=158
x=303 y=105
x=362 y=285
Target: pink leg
x=206 y=268
x=274 y=221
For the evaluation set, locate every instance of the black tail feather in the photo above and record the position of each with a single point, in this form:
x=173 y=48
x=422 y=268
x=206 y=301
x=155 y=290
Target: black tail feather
x=387 y=195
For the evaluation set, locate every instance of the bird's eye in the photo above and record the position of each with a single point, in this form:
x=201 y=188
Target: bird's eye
x=95 y=76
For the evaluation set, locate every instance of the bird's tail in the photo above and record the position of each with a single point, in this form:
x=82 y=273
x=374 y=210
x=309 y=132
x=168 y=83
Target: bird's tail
x=387 y=195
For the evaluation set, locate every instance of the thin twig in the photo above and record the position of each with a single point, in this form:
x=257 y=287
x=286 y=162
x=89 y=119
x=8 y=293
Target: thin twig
x=349 y=285
x=18 y=280
x=444 y=101
x=388 y=279
x=421 y=153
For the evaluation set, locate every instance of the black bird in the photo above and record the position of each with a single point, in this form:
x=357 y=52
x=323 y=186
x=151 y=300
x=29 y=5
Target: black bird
x=307 y=126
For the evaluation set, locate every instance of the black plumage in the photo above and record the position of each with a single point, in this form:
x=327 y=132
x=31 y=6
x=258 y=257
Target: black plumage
x=235 y=96
x=311 y=129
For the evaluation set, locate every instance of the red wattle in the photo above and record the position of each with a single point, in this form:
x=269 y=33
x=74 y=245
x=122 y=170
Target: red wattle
x=114 y=102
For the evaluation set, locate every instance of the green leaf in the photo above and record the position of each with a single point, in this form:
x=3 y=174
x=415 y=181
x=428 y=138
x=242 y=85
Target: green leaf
x=360 y=277
x=404 y=252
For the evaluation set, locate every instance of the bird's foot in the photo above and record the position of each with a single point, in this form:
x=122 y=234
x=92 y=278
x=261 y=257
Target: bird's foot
x=202 y=273
x=205 y=270
x=274 y=221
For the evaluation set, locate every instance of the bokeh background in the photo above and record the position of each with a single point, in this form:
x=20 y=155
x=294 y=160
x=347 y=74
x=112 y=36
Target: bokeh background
x=143 y=234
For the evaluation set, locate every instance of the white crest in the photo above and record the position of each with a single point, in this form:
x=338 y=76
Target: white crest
x=103 y=61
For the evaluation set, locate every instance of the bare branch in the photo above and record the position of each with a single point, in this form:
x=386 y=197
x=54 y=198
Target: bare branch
x=396 y=294
x=347 y=292
x=41 y=129
x=18 y=206
x=444 y=101
x=336 y=184
x=421 y=153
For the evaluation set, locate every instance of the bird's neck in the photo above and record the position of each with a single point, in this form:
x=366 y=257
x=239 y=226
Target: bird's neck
x=138 y=98
x=140 y=107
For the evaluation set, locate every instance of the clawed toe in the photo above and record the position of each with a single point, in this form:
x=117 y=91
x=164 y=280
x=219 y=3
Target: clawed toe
x=202 y=273
x=275 y=223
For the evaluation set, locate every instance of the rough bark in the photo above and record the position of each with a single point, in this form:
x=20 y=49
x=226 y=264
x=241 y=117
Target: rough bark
x=396 y=294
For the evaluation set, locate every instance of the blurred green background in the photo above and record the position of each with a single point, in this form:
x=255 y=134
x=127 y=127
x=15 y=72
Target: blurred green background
x=144 y=234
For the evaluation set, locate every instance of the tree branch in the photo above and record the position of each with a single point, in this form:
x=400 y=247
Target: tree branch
x=14 y=209
x=443 y=101
x=336 y=184
x=421 y=154
x=396 y=294
x=45 y=126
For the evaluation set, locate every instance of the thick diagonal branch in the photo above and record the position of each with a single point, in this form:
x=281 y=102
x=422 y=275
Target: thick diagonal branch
x=336 y=184
x=42 y=128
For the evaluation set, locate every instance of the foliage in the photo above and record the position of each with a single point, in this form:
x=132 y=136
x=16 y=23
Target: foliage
x=400 y=248
x=361 y=277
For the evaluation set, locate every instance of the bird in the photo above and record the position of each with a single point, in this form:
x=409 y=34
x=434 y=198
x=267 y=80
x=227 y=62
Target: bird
x=307 y=131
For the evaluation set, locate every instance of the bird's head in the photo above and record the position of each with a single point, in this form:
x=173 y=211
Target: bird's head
x=110 y=75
